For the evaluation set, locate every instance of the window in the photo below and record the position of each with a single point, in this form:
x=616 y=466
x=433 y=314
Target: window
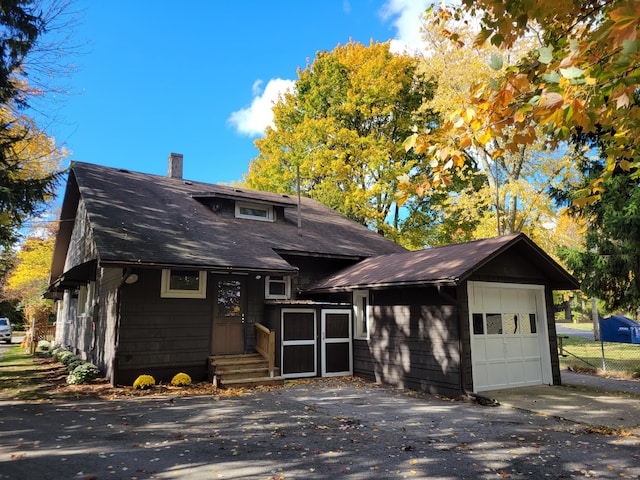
x=277 y=286
x=85 y=299
x=183 y=284
x=360 y=310
x=254 y=211
x=478 y=324
x=494 y=323
x=229 y=297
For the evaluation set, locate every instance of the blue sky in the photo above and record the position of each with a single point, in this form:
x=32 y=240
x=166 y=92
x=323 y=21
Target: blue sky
x=198 y=77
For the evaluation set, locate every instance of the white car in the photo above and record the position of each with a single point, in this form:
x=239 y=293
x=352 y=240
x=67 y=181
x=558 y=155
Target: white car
x=5 y=330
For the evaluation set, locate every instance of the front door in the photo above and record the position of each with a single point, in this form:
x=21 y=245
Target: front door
x=228 y=333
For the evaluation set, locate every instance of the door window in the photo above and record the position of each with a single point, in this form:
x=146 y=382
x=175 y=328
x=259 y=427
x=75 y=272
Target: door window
x=229 y=298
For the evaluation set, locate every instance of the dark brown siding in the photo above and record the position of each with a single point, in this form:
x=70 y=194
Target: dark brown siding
x=164 y=336
x=313 y=269
x=465 y=337
x=414 y=341
x=553 y=339
x=510 y=267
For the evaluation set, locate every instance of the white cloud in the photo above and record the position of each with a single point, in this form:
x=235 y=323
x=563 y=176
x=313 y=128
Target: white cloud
x=405 y=16
x=253 y=120
x=407 y=19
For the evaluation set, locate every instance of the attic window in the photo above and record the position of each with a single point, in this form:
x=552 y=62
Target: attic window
x=254 y=211
x=183 y=284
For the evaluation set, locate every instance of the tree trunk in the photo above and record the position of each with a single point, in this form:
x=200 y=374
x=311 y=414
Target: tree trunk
x=595 y=319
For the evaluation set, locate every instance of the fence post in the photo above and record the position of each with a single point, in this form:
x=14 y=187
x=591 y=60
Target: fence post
x=604 y=364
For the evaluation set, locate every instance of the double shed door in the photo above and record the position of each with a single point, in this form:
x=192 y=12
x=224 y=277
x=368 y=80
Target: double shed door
x=302 y=341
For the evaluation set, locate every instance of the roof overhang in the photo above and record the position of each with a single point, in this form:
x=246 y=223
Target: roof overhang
x=72 y=279
x=240 y=195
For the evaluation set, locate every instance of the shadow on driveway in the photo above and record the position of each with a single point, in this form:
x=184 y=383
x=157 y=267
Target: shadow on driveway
x=319 y=429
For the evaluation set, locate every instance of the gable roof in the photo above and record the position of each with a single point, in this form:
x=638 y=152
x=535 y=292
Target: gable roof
x=447 y=265
x=143 y=219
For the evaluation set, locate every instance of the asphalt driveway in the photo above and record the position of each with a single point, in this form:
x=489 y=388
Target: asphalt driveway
x=321 y=429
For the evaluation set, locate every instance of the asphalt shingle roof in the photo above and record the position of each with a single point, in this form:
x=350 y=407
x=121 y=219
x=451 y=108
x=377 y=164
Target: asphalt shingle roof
x=150 y=219
x=449 y=265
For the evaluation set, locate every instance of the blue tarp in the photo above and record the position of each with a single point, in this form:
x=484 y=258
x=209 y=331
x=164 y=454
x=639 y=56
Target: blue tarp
x=618 y=328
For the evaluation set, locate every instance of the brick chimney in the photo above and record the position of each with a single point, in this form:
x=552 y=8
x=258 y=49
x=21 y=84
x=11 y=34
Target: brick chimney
x=175 y=165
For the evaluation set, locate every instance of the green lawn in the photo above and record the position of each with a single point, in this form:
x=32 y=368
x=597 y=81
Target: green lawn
x=23 y=377
x=584 y=353
x=587 y=326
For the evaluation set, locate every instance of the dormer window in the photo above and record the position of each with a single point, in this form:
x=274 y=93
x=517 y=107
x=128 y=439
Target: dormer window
x=254 y=211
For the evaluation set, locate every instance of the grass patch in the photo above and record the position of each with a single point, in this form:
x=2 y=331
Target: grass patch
x=27 y=377
x=583 y=353
x=587 y=326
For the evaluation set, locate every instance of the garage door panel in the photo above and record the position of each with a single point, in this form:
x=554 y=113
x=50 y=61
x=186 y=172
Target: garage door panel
x=506 y=348
x=480 y=350
x=530 y=347
x=509 y=301
x=497 y=374
x=494 y=349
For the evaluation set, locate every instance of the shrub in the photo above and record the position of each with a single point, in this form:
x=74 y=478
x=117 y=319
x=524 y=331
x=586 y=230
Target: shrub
x=144 y=382
x=71 y=366
x=44 y=345
x=56 y=351
x=65 y=356
x=83 y=373
x=181 y=380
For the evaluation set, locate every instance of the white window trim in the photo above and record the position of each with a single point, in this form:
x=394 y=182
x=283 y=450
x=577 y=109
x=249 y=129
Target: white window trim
x=257 y=206
x=287 y=288
x=167 y=292
x=359 y=315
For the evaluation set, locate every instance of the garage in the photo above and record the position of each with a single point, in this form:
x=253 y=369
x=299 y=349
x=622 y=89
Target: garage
x=509 y=339
x=455 y=319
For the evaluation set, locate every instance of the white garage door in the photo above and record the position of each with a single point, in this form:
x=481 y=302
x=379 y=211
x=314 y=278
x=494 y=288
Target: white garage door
x=509 y=342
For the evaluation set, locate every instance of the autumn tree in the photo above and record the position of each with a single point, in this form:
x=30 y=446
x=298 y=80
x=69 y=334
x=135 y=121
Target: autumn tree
x=342 y=129
x=578 y=77
x=29 y=159
x=29 y=279
x=510 y=191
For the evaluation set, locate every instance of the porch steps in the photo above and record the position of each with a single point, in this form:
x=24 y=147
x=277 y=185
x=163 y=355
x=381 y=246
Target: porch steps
x=247 y=370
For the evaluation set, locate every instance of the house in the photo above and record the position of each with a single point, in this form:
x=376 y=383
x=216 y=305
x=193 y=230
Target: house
x=158 y=275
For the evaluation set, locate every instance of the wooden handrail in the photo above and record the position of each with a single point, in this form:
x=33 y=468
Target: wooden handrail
x=266 y=345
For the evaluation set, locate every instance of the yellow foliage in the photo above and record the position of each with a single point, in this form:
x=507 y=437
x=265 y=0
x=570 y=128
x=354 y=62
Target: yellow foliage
x=30 y=278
